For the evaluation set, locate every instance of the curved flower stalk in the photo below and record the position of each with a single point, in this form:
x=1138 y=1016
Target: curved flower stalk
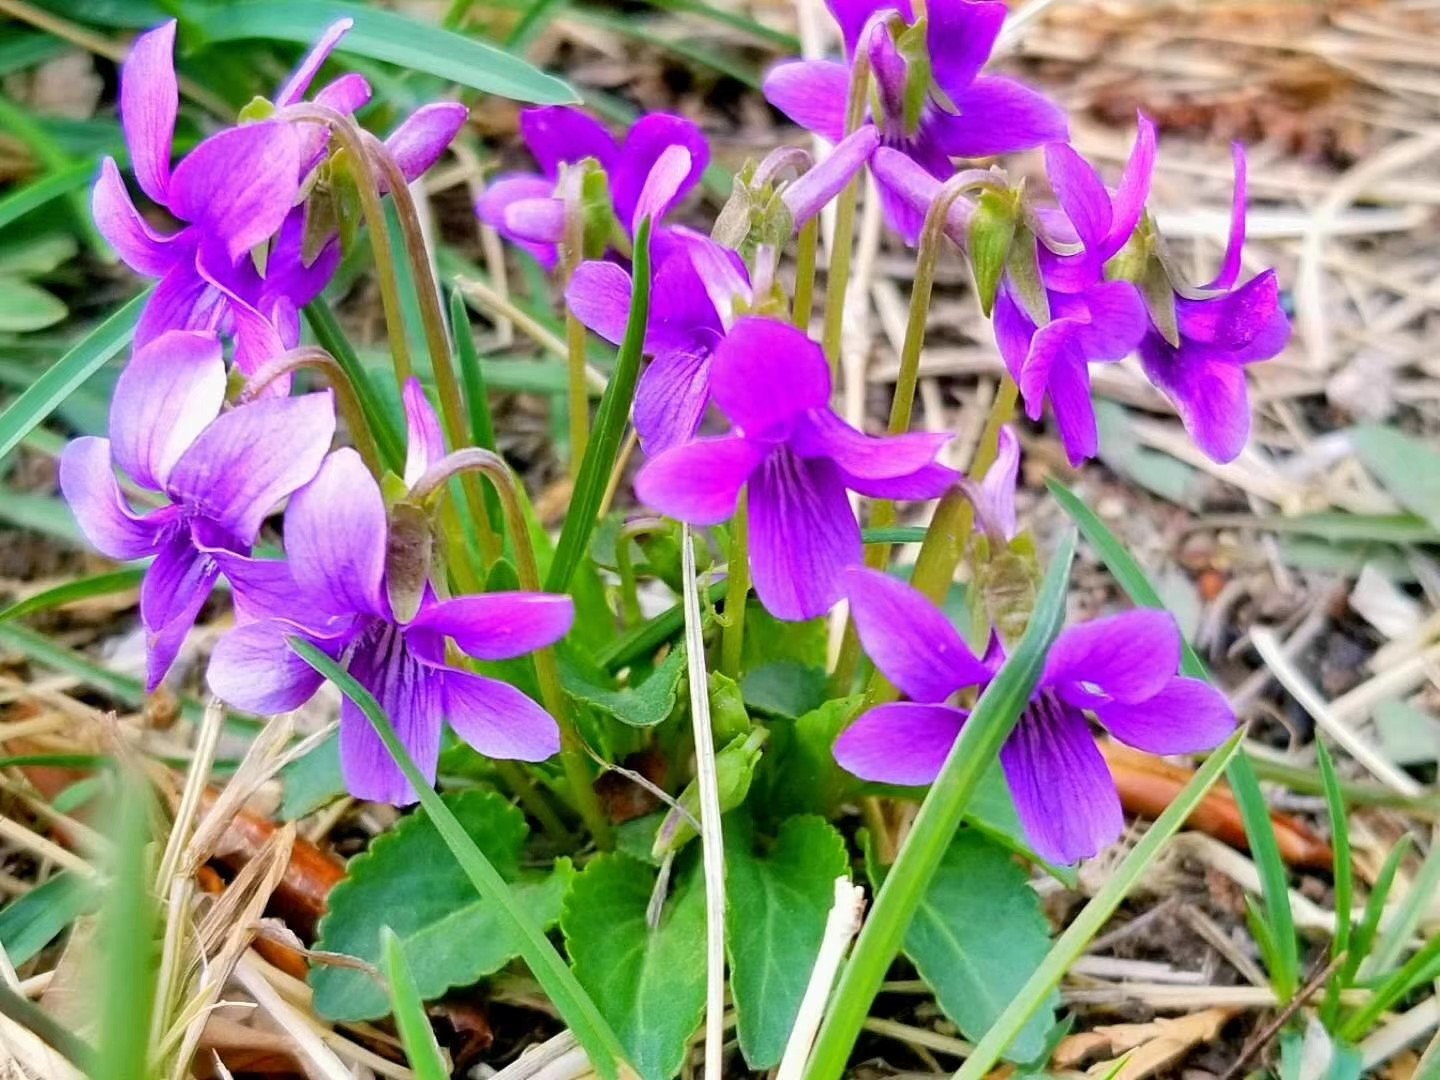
x=1122 y=670
x=223 y=474
x=336 y=537
x=931 y=102
x=528 y=209
x=798 y=458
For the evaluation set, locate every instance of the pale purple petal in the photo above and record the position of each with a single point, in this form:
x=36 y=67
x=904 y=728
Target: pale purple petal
x=1129 y=202
x=889 y=76
x=1128 y=657
x=254 y=668
x=87 y=480
x=347 y=95
x=1231 y=321
x=1185 y=717
x=960 y=37
x=238 y=186
x=557 y=134
x=259 y=340
x=823 y=434
x=424 y=441
x=492 y=206
x=1115 y=320
x=1070 y=398
x=335 y=536
x=183 y=300
x=802 y=535
x=1081 y=194
x=928 y=482
x=1013 y=331
x=599 y=296
x=143 y=249
x=175 y=588
x=812 y=192
x=252 y=457
x=149 y=100
x=535 y=221
x=1001 y=116
x=498 y=720
x=1208 y=391
x=907 y=189
x=261 y=588
x=812 y=93
x=654 y=137
x=171 y=390
x=698 y=482
x=410 y=693
x=904 y=743
x=671 y=398
x=296 y=86
x=1235 y=245
x=499 y=626
x=996 y=504
x=852 y=15
x=909 y=638
x=692 y=298
x=1062 y=788
x=420 y=140
x=765 y=374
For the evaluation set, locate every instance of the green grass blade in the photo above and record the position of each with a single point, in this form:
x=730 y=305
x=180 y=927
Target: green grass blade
x=1344 y=874
x=1274 y=878
x=69 y=372
x=24 y=125
x=326 y=329
x=72 y=592
x=1401 y=927
x=1093 y=916
x=1364 y=936
x=382 y=35
x=537 y=17
x=787 y=43
x=1421 y=968
x=47 y=188
x=643 y=640
x=477 y=399
x=897 y=534
x=426 y=1061
x=566 y=994
x=990 y=723
x=610 y=420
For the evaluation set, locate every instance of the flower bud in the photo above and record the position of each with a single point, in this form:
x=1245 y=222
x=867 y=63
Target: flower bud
x=734 y=770
x=992 y=231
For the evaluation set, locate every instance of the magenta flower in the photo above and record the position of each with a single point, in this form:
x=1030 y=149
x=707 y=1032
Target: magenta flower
x=1121 y=669
x=223 y=474
x=798 y=457
x=1204 y=376
x=529 y=210
x=335 y=542
x=692 y=304
x=962 y=113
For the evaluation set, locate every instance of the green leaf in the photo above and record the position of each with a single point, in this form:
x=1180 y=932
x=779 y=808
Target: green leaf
x=19 y=202
x=610 y=420
x=778 y=901
x=312 y=781
x=768 y=639
x=72 y=592
x=786 y=688
x=800 y=775
x=649 y=704
x=650 y=984
x=382 y=35
x=421 y=1050
x=1406 y=467
x=450 y=935
x=34 y=919
x=70 y=371
x=978 y=935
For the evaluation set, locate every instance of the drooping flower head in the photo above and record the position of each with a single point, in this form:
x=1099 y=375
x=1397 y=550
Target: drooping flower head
x=222 y=472
x=930 y=100
x=528 y=209
x=798 y=458
x=335 y=542
x=1120 y=669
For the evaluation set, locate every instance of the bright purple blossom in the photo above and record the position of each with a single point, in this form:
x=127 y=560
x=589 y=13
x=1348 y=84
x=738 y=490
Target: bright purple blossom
x=335 y=540
x=1204 y=376
x=1120 y=669
x=660 y=151
x=962 y=113
x=222 y=472
x=798 y=458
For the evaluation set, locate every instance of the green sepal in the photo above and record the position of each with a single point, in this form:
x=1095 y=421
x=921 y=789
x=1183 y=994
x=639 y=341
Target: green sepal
x=732 y=224
x=992 y=232
x=408 y=547
x=1159 y=296
x=1023 y=264
x=1007 y=581
x=255 y=110
x=912 y=46
x=729 y=719
x=597 y=214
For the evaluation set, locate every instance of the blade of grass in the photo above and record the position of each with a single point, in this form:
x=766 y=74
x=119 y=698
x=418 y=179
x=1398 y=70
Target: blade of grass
x=566 y=994
x=1421 y=968
x=22 y=124
x=28 y=410
x=610 y=420
x=644 y=639
x=1093 y=916
x=1274 y=878
x=477 y=399
x=71 y=592
x=1344 y=877
x=940 y=815
x=38 y=192
x=1402 y=925
x=416 y=1033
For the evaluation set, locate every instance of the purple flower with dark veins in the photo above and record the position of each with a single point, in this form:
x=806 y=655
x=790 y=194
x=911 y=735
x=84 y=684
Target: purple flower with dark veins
x=1120 y=669
x=528 y=209
x=932 y=107
x=222 y=472
x=335 y=540
x=798 y=457
x=1204 y=375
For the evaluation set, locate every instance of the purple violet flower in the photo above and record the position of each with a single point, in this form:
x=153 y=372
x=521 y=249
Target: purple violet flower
x=1204 y=377
x=223 y=474
x=798 y=458
x=528 y=209
x=1121 y=669
x=961 y=112
x=335 y=541
x=692 y=305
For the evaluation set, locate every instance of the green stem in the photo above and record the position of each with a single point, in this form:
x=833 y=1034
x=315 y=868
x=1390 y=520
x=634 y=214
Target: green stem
x=995 y=715
x=843 y=241
x=732 y=641
x=630 y=612
x=804 y=305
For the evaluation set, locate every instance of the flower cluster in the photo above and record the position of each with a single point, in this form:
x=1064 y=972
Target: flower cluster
x=255 y=240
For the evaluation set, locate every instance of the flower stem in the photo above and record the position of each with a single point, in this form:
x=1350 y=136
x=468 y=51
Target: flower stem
x=843 y=242
x=804 y=306
x=312 y=356
x=732 y=641
x=630 y=612
x=547 y=670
